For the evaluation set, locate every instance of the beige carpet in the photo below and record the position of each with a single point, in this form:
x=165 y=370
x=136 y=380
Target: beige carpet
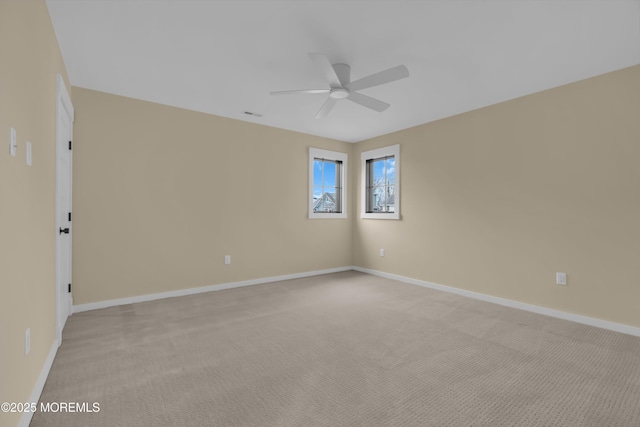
x=345 y=349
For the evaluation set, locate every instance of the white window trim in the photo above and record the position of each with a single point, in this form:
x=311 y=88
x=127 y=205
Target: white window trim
x=393 y=150
x=317 y=153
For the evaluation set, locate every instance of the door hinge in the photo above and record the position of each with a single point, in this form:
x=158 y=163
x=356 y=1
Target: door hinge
x=69 y=216
x=69 y=145
x=69 y=287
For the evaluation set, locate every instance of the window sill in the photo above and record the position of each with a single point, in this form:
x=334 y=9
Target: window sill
x=393 y=215
x=327 y=215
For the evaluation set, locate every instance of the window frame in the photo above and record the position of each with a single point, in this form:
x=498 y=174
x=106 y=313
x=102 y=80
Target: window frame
x=335 y=156
x=365 y=156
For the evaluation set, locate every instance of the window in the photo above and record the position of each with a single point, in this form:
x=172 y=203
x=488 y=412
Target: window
x=381 y=183
x=327 y=189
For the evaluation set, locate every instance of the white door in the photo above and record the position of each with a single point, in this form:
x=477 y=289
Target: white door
x=64 y=167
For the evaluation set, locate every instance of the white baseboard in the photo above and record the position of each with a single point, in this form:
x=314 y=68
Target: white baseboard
x=191 y=291
x=604 y=324
x=39 y=386
x=591 y=321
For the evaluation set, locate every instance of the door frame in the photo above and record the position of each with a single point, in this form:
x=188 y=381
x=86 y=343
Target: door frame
x=64 y=107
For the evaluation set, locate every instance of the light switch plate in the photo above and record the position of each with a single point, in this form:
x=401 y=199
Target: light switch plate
x=29 y=153
x=13 y=145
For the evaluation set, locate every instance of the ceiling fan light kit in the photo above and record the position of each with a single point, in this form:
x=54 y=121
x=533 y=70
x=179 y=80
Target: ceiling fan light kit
x=341 y=86
x=339 y=93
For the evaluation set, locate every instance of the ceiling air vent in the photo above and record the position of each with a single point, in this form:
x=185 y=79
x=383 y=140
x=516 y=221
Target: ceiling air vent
x=249 y=113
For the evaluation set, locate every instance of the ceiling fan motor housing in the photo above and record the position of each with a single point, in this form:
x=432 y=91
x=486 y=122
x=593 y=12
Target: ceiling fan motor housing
x=338 y=93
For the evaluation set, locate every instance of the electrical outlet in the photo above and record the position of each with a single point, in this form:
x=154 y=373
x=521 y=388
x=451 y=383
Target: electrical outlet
x=227 y=259
x=381 y=252
x=561 y=279
x=27 y=341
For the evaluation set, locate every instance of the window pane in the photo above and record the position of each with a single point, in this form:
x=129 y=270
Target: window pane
x=317 y=172
x=391 y=170
x=326 y=199
x=318 y=200
x=378 y=172
x=379 y=199
x=329 y=174
x=317 y=192
x=329 y=200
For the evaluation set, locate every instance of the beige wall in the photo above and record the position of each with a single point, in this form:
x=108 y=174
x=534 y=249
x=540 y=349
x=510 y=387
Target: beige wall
x=162 y=194
x=499 y=199
x=29 y=62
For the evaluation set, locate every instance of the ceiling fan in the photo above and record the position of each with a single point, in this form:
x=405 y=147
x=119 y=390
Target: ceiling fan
x=341 y=86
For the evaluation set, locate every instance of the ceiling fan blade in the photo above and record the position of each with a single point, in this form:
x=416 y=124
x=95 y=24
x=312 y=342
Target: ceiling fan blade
x=326 y=107
x=367 y=101
x=323 y=63
x=300 y=92
x=386 y=76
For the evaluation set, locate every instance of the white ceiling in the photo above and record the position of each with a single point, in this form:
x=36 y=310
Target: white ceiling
x=224 y=57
